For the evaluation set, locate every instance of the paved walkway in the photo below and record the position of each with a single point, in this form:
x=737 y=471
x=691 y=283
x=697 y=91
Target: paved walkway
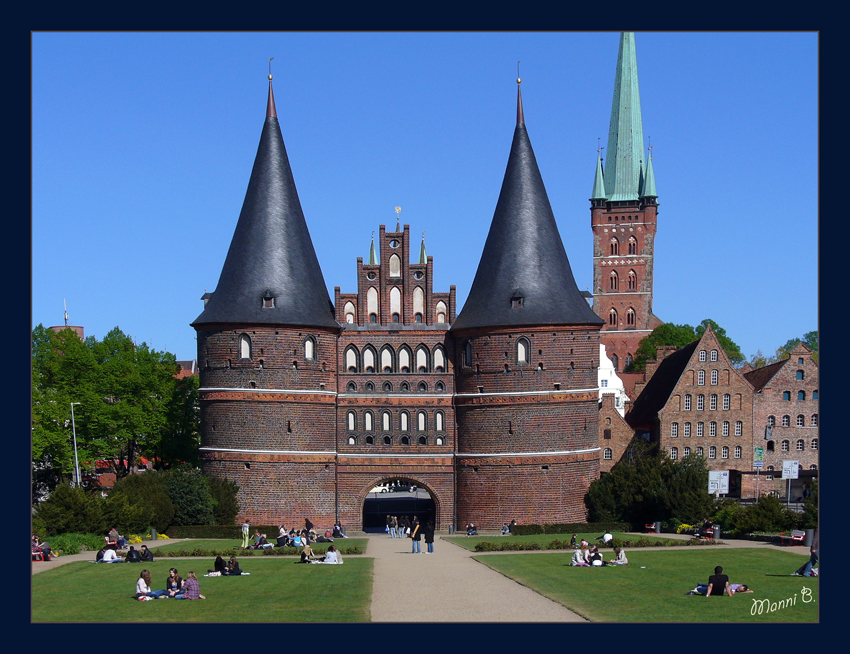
x=448 y=586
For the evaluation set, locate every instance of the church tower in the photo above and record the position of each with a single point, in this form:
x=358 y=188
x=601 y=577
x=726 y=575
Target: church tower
x=526 y=359
x=267 y=353
x=623 y=217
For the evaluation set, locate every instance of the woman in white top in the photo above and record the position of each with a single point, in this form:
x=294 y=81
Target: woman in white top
x=620 y=559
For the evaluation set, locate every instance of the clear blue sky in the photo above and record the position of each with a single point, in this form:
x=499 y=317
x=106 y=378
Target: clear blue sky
x=142 y=146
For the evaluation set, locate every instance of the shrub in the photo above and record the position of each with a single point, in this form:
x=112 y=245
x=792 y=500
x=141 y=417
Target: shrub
x=70 y=510
x=148 y=490
x=189 y=491
x=224 y=493
x=75 y=543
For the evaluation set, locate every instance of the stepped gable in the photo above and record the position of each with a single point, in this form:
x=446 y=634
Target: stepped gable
x=271 y=274
x=524 y=276
x=657 y=391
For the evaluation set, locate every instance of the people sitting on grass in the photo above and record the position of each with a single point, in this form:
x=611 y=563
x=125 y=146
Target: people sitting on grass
x=808 y=568
x=307 y=554
x=718 y=583
x=505 y=530
x=580 y=557
x=595 y=558
x=471 y=529
x=219 y=567
x=108 y=555
x=339 y=533
x=133 y=556
x=619 y=557
x=174 y=583
x=233 y=567
x=143 y=588
x=734 y=589
x=191 y=588
x=605 y=538
x=573 y=542
x=263 y=543
x=331 y=557
x=145 y=554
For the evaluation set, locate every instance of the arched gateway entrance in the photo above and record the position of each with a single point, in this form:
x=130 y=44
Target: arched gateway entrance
x=397 y=497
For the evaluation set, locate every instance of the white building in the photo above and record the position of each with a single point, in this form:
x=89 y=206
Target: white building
x=609 y=382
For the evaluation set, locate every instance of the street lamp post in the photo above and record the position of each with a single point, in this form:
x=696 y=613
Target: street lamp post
x=76 y=459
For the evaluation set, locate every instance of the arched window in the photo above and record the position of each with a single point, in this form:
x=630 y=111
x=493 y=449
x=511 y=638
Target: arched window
x=702 y=355
x=352 y=421
x=615 y=247
x=244 y=346
x=441 y=311
x=351 y=388
x=713 y=355
x=368 y=423
x=421 y=421
x=674 y=430
x=386 y=419
x=687 y=403
x=522 y=351
x=786 y=421
x=714 y=377
x=467 y=354
x=725 y=428
x=309 y=349
x=616 y=361
x=700 y=451
x=686 y=430
x=771 y=421
x=387 y=387
x=388 y=440
x=351 y=359
x=404 y=359
x=727 y=401
x=387 y=359
x=439 y=387
x=632 y=280
x=418 y=300
x=686 y=451
x=712 y=452
x=423 y=387
x=700 y=402
x=712 y=429
x=349 y=311
x=352 y=440
x=612 y=317
x=814 y=443
x=674 y=453
x=712 y=402
x=771 y=446
x=372 y=304
x=370 y=440
x=630 y=317
x=801 y=396
x=632 y=245
x=786 y=446
x=405 y=440
x=801 y=421
x=701 y=378
x=613 y=281
x=395 y=303
x=395 y=266
x=368 y=359
x=800 y=375
x=422 y=359
x=739 y=428
x=423 y=440
x=801 y=445
x=404 y=421
x=724 y=452
x=607 y=454
x=439 y=359
x=786 y=396
x=814 y=420
x=738 y=451
x=438 y=421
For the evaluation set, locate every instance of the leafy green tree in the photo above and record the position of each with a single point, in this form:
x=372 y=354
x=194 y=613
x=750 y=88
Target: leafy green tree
x=810 y=340
x=148 y=490
x=182 y=436
x=71 y=510
x=679 y=336
x=190 y=493
x=810 y=508
x=224 y=493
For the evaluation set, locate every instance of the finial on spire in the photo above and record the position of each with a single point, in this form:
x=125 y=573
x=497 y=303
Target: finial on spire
x=65 y=305
x=271 y=111
x=520 y=119
x=397 y=219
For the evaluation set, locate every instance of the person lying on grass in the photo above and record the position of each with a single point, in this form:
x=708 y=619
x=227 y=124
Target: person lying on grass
x=702 y=589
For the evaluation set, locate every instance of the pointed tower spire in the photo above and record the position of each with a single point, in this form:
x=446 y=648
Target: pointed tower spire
x=373 y=257
x=423 y=256
x=271 y=274
x=524 y=276
x=625 y=134
x=598 y=192
x=649 y=181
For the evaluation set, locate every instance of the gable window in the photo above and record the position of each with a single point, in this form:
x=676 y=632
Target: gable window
x=349 y=312
x=687 y=405
x=441 y=311
x=800 y=375
x=607 y=454
x=786 y=396
x=702 y=355
x=714 y=375
x=701 y=378
x=713 y=355
x=727 y=401
x=674 y=430
x=700 y=402
x=395 y=266
x=686 y=430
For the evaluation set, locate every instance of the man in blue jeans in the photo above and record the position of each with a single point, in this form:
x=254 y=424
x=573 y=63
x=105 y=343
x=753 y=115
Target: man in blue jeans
x=416 y=536
x=805 y=570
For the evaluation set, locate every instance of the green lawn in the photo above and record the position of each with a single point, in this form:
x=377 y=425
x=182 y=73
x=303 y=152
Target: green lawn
x=277 y=590
x=229 y=544
x=653 y=587
x=469 y=542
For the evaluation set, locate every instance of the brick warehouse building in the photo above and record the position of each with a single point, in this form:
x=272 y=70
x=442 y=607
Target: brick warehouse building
x=308 y=404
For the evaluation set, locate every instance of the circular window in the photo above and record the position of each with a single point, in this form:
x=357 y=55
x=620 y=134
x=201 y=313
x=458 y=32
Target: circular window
x=371 y=276
x=418 y=274
x=394 y=243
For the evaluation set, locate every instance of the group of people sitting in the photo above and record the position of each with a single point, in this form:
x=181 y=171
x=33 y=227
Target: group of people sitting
x=41 y=551
x=332 y=556
x=293 y=538
x=588 y=555
x=108 y=554
x=718 y=585
x=222 y=569
x=175 y=587
x=471 y=529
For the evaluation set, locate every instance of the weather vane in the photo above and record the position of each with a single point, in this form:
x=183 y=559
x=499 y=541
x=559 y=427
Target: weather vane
x=518 y=80
x=397 y=218
x=270 y=67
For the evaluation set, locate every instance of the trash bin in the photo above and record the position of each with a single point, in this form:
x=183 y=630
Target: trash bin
x=153 y=534
x=657 y=527
x=809 y=538
x=716 y=534
x=451 y=529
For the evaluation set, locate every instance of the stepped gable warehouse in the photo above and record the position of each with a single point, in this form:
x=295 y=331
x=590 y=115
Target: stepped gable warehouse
x=384 y=383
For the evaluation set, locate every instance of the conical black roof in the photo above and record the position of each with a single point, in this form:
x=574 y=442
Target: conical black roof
x=524 y=276
x=271 y=254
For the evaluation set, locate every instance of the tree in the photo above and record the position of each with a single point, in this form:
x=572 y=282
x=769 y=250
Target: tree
x=130 y=405
x=224 y=494
x=680 y=336
x=70 y=510
x=189 y=491
x=810 y=340
x=148 y=490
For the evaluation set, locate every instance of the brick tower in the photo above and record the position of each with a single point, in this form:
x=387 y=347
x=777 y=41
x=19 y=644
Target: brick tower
x=267 y=352
x=623 y=212
x=526 y=355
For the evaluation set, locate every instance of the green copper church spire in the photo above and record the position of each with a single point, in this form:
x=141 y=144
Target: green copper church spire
x=625 y=135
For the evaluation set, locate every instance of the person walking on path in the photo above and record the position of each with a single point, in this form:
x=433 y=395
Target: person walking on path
x=429 y=536
x=416 y=536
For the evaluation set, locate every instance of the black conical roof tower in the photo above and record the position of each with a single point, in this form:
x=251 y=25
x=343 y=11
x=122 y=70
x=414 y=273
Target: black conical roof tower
x=271 y=274
x=524 y=276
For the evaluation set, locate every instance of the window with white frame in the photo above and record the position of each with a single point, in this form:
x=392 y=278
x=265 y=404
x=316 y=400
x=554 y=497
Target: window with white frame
x=712 y=428
x=739 y=428
x=786 y=421
x=674 y=453
x=801 y=421
x=702 y=355
x=607 y=454
x=701 y=378
x=714 y=377
x=700 y=402
x=801 y=445
x=713 y=356
x=724 y=452
x=725 y=428
x=727 y=401
x=686 y=451
x=712 y=402
x=738 y=451
x=814 y=443
x=700 y=429
x=686 y=430
x=786 y=446
x=712 y=452
x=687 y=403
x=674 y=430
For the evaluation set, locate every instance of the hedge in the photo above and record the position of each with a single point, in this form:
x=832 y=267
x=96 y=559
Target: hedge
x=506 y=545
x=570 y=528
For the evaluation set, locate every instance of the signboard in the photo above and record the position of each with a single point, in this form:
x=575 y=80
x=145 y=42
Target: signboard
x=758 y=464
x=718 y=482
x=790 y=469
x=758 y=458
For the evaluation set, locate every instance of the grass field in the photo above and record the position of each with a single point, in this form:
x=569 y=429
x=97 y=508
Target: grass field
x=653 y=588
x=277 y=590
x=229 y=544
x=469 y=542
